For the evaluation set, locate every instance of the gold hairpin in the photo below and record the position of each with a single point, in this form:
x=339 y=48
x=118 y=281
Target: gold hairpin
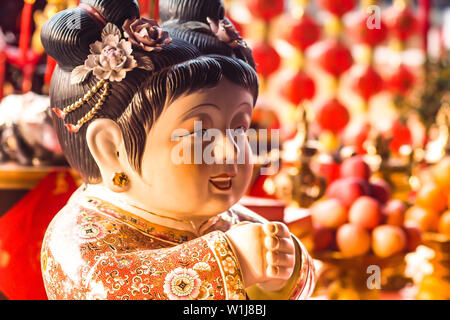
x=102 y=84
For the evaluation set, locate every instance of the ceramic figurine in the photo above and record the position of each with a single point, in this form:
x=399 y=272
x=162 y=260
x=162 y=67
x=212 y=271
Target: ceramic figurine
x=127 y=98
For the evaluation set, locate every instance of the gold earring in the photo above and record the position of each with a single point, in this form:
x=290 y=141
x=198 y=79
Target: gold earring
x=120 y=179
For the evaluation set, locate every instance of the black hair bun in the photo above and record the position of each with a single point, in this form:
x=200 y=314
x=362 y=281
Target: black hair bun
x=67 y=35
x=184 y=19
x=190 y=10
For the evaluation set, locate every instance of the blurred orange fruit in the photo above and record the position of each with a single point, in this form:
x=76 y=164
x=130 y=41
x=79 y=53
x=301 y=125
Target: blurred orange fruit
x=441 y=174
x=431 y=196
x=353 y=240
x=444 y=223
x=388 y=240
x=423 y=218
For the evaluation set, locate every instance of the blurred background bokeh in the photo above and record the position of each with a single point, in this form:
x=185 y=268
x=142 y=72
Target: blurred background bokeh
x=356 y=92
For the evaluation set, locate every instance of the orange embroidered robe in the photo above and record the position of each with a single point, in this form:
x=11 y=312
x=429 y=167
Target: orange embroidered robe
x=94 y=250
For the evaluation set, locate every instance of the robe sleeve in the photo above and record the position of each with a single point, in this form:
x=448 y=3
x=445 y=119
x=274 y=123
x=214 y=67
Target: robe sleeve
x=203 y=268
x=301 y=284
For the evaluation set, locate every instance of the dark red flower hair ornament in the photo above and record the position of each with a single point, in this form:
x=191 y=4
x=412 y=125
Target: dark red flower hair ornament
x=226 y=32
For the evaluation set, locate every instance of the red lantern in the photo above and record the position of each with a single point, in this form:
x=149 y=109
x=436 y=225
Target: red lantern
x=400 y=135
x=338 y=8
x=366 y=81
x=299 y=87
x=401 y=81
x=335 y=58
x=304 y=33
x=402 y=24
x=267 y=59
x=332 y=116
x=359 y=30
x=265 y=9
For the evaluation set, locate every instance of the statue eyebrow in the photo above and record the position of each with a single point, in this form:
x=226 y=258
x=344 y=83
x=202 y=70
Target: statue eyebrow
x=186 y=115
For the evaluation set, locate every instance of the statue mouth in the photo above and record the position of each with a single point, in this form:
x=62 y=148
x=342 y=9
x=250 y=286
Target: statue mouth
x=221 y=183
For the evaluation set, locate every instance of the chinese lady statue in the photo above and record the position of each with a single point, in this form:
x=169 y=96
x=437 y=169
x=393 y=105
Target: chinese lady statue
x=127 y=97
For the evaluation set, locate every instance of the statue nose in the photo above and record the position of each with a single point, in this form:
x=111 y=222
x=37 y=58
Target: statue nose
x=225 y=149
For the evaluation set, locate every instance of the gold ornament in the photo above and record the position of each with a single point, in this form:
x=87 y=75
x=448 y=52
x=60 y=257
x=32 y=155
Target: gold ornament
x=120 y=179
x=102 y=84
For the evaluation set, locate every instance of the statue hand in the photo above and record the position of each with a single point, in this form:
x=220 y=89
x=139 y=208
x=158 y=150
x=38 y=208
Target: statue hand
x=280 y=255
x=265 y=252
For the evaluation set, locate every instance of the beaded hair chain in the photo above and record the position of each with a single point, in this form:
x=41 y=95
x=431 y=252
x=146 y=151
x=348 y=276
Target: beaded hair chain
x=102 y=84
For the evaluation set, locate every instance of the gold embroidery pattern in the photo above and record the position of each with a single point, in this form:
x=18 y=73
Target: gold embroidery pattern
x=165 y=234
x=228 y=264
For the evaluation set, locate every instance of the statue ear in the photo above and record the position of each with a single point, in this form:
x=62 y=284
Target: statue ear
x=105 y=141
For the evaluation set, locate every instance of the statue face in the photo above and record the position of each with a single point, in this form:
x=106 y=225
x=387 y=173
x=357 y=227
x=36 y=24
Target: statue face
x=196 y=160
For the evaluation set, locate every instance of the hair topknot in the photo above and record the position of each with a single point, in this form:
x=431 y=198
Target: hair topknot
x=177 y=17
x=67 y=35
x=191 y=10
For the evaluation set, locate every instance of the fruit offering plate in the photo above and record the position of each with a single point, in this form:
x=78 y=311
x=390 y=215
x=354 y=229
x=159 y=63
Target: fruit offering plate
x=341 y=278
x=337 y=258
x=433 y=239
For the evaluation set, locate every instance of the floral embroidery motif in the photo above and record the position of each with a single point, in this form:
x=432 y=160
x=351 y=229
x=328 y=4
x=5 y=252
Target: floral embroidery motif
x=206 y=291
x=90 y=231
x=234 y=289
x=123 y=263
x=228 y=265
x=202 y=266
x=182 y=284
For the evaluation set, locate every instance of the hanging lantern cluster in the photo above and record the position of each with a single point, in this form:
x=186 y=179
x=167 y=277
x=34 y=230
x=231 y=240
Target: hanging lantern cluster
x=302 y=34
x=266 y=57
x=335 y=58
x=368 y=30
x=402 y=25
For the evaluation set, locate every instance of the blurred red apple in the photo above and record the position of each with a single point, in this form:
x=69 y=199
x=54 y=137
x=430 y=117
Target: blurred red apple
x=329 y=170
x=388 y=240
x=413 y=237
x=329 y=213
x=394 y=212
x=353 y=240
x=355 y=167
x=347 y=190
x=380 y=190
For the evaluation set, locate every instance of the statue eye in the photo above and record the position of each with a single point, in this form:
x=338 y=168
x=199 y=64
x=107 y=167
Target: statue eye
x=241 y=130
x=199 y=133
